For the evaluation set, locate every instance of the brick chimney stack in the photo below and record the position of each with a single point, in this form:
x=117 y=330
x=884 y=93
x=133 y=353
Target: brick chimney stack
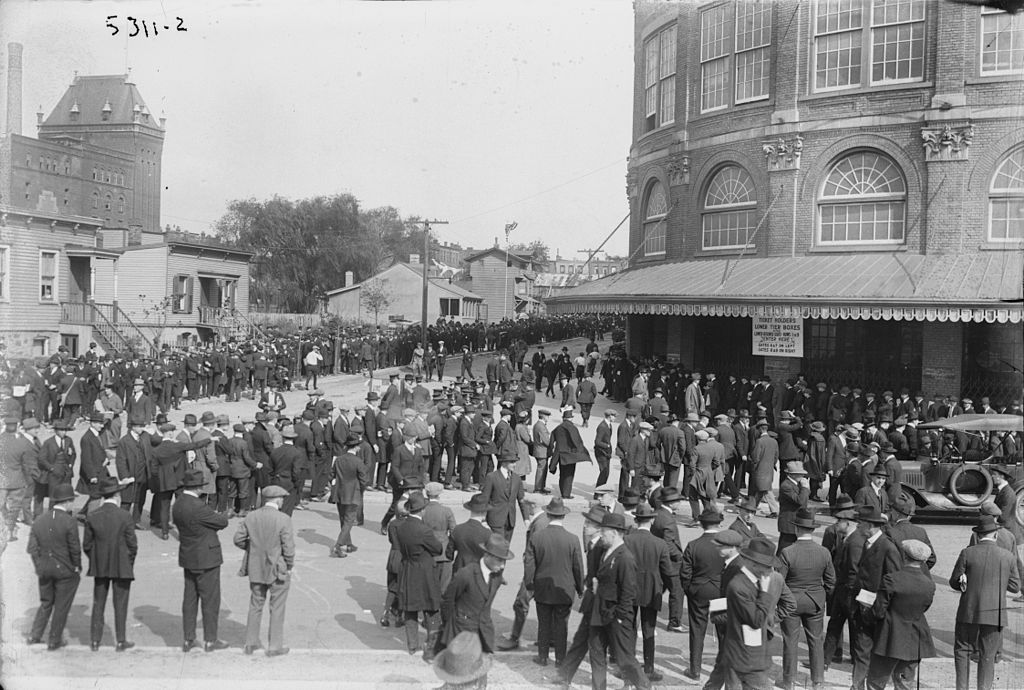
x=14 y=51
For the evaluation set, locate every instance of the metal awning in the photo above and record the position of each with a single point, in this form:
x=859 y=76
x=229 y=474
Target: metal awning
x=983 y=286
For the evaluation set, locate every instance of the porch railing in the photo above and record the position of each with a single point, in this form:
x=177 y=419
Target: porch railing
x=110 y=321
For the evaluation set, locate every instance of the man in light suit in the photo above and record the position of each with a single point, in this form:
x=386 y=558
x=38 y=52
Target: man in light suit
x=267 y=537
x=111 y=545
x=554 y=573
x=200 y=558
x=503 y=488
x=810 y=576
x=983 y=574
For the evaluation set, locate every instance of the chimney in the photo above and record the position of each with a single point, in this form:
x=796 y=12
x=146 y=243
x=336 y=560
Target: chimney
x=14 y=51
x=348 y=279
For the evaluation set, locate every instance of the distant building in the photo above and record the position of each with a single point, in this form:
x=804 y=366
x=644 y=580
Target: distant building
x=833 y=188
x=402 y=284
x=595 y=268
x=504 y=281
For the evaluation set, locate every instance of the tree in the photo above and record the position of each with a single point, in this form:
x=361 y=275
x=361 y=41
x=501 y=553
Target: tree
x=537 y=250
x=375 y=296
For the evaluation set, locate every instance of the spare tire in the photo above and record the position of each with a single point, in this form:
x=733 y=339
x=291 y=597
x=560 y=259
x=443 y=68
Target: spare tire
x=970 y=498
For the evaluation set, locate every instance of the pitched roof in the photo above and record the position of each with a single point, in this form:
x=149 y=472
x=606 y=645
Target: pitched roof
x=524 y=258
x=441 y=283
x=90 y=94
x=989 y=280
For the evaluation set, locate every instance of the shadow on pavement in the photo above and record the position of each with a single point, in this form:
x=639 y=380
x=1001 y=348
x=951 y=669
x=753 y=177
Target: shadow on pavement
x=167 y=626
x=372 y=634
x=368 y=595
x=311 y=536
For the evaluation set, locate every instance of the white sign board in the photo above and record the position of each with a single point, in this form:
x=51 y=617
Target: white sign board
x=778 y=336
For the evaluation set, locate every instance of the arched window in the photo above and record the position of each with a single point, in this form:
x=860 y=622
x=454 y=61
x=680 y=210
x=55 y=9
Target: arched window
x=864 y=199
x=1006 y=200
x=120 y=204
x=730 y=206
x=106 y=204
x=95 y=199
x=655 y=210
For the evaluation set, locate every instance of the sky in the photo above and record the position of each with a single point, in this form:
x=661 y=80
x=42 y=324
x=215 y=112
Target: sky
x=477 y=112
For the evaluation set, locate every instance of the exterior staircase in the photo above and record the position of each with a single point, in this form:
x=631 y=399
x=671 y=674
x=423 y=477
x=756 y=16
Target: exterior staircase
x=229 y=323
x=111 y=327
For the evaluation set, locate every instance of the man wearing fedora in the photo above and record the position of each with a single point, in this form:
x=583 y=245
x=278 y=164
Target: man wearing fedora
x=567 y=450
x=874 y=493
x=903 y=636
x=840 y=603
x=419 y=590
x=465 y=544
x=268 y=539
x=463 y=664
x=56 y=459
x=750 y=603
x=744 y=523
x=900 y=528
x=200 y=558
x=810 y=576
x=110 y=543
x=700 y=575
x=553 y=565
x=666 y=528
x=468 y=598
x=611 y=617
x=130 y=459
x=764 y=457
x=285 y=466
x=349 y=478
x=93 y=467
x=166 y=473
x=871 y=557
x=794 y=492
x=654 y=576
x=983 y=574
x=57 y=556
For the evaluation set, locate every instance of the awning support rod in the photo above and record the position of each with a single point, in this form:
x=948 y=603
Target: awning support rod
x=729 y=267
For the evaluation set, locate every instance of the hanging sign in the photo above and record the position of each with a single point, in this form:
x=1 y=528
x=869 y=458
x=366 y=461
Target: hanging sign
x=778 y=336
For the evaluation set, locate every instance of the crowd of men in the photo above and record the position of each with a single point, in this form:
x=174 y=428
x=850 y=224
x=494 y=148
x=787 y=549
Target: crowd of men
x=480 y=433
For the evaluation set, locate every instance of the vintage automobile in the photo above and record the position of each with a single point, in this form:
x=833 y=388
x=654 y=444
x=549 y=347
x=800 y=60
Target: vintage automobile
x=948 y=483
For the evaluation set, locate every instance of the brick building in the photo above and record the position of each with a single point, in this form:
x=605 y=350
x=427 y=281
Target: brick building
x=843 y=180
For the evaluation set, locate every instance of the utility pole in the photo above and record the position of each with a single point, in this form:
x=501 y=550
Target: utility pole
x=509 y=227
x=426 y=282
x=592 y=253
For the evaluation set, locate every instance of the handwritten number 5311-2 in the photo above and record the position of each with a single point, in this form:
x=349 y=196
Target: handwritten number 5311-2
x=141 y=26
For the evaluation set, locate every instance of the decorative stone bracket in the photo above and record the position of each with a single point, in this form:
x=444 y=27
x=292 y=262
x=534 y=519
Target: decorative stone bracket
x=679 y=170
x=783 y=154
x=631 y=185
x=947 y=143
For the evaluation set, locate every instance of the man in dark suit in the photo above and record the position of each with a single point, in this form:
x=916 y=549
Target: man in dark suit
x=57 y=556
x=983 y=574
x=666 y=529
x=200 y=558
x=349 y=479
x=900 y=528
x=419 y=590
x=111 y=546
x=611 y=616
x=94 y=462
x=567 y=449
x=654 y=574
x=750 y=603
x=903 y=636
x=794 y=492
x=503 y=490
x=465 y=546
x=744 y=522
x=262 y=447
x=131 y=463
x=700 y=574
x=553 y=566
x=603 y=446
x=466 y=604
x=285 y=466
x=810 y=576
x=871 y=557
x=672 y=444
x=165 y=474
x=586 y=394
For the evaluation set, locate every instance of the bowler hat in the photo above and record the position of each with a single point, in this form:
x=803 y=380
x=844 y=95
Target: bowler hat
x=274 y=491
x=670 y=494
x=804 y=518
x=476 y=504
x=761 y=551
x=614 y=521
x=630 y=498
x=61 y=494
x=556 y=508
x=497 y=546
x=109 y=486
x=416 y=503
x=462 y=660
x=878 y=471
x=193 y=478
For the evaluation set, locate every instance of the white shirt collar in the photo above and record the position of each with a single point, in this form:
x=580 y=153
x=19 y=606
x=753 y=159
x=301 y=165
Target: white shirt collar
x=750 y=576
x=873 y=538
x=731 y=558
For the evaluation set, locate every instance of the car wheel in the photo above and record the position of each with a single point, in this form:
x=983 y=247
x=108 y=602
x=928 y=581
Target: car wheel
x=970 y=485
x=1019 y=506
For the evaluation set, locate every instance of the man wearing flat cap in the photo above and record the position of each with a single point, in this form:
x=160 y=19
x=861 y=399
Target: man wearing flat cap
x=903 y=636
x=268 y=539
x=983 y=574
x=810 y=576
x=200 y=558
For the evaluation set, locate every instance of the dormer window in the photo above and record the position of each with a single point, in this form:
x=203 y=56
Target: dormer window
x=74 y=111
x=105 y=113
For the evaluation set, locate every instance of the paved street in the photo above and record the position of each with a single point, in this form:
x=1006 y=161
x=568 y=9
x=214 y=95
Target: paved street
x=334 y=606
